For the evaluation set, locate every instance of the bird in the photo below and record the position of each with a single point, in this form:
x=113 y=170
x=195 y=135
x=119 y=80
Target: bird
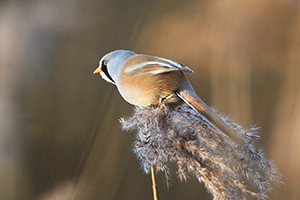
x=144 y=81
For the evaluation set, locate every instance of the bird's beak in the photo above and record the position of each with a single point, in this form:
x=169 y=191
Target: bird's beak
x=98 y=70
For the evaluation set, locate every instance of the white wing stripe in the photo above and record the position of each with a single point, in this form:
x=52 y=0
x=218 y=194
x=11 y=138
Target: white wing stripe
x=159 y=71
x=178 y=65
x=172 y=62
x=141 y=65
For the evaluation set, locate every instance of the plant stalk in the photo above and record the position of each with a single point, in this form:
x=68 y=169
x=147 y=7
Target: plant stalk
x=154 y=186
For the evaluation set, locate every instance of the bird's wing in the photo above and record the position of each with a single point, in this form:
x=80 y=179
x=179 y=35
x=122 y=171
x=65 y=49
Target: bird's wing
x=155 y=65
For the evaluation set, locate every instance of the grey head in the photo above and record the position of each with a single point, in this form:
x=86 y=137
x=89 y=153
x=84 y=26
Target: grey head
x=111 y=64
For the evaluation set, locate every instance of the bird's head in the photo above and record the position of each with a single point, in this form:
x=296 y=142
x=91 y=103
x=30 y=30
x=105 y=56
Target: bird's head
x=111 y=64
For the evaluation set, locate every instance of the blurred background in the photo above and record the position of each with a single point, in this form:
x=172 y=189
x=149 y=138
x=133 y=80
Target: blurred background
x=59 y=132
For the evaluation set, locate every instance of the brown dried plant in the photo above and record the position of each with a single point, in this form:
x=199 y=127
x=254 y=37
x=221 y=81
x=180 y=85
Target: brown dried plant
x=183 y=136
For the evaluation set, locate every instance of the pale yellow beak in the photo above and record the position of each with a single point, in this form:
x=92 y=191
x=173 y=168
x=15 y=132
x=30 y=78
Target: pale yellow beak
x=98 y=70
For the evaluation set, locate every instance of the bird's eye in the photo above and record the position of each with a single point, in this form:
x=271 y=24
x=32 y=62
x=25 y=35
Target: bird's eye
x=104 y=62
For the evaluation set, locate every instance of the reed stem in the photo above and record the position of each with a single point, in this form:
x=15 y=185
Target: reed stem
x=154 y=186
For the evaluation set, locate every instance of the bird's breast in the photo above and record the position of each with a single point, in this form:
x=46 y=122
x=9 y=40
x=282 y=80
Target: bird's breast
x=145 y=89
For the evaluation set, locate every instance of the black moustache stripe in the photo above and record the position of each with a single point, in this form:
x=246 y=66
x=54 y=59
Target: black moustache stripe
x=104 y=69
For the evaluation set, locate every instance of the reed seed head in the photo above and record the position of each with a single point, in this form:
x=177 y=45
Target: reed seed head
x=183 y=136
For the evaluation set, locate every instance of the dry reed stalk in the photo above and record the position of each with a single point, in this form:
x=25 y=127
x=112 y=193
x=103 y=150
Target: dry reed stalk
x=183 y=136
x=154 y=186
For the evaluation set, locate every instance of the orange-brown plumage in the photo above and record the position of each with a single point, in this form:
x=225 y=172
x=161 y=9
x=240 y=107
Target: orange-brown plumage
x=145 y=80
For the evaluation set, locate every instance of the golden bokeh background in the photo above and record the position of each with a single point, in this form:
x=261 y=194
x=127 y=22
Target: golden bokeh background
x=59 y=132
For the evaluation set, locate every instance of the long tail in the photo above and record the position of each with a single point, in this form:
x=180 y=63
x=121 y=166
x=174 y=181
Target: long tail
x=195 y=102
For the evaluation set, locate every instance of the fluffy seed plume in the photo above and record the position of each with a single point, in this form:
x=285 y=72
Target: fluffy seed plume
x=183 y=136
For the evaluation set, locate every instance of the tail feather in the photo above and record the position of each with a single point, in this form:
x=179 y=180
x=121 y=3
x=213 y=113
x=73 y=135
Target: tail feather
x=195 y=102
